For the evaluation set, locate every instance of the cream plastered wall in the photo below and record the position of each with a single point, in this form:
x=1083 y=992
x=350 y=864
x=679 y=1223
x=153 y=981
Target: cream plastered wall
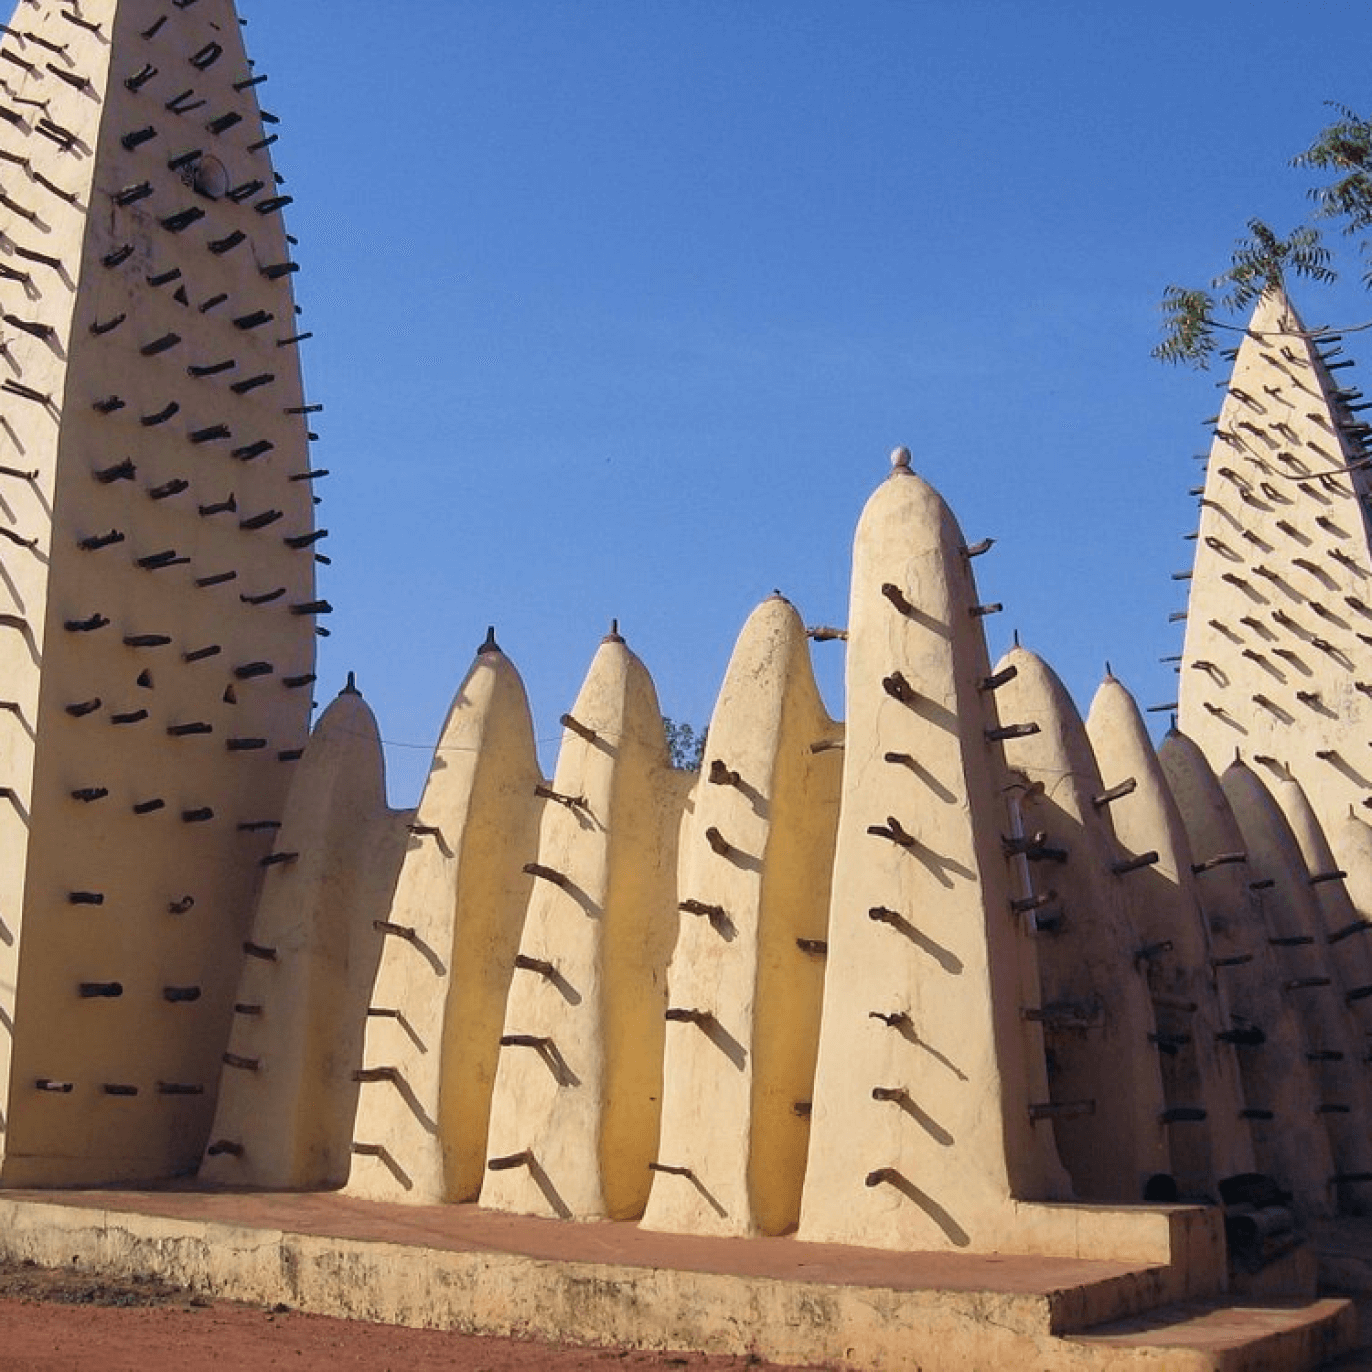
x=921 y=1131
x=1349 y=957
x=1280 y=612
x=48 y=218
x=1351 y=839
x=178 y=645
x=450 y=940
x=289 y=1091
x=1104 y=1082
x=577 y=1100
x=1334 y=1043
x=747 y=977
x=1199 y=1069
x=158 y=645
x=1290 y=1142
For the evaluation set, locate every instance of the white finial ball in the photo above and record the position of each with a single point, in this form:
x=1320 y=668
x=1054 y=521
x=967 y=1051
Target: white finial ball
x=900 y=459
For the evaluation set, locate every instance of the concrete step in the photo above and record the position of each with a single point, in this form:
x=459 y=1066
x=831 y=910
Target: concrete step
x=1211 y=1336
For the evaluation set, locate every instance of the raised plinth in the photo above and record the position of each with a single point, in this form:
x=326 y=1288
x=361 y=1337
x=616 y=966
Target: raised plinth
x=478 y=1271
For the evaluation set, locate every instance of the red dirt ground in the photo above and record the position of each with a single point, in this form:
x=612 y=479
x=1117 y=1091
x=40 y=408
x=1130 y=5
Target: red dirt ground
x=69 y=1319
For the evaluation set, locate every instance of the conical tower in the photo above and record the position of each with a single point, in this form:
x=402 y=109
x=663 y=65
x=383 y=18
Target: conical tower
x=576 y=1103
x=1110 y=1120
x=451 y=939
x=157 y=571
x=929 y=1124
x=1280 y=614
x=751 y=947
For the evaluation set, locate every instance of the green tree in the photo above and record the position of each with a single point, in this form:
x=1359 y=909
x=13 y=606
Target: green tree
x=685 y=745
x=1342 y=157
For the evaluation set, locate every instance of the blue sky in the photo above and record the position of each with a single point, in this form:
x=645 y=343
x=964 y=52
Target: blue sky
x=620 y=306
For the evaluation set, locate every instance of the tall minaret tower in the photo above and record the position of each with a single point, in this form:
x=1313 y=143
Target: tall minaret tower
x=1279 y=623
x=157 y=553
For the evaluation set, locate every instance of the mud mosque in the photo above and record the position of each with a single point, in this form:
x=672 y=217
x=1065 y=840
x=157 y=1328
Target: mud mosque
x=961 y=979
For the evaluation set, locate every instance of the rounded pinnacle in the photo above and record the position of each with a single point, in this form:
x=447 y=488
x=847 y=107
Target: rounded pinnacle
x=900 y=459
x=490 y=645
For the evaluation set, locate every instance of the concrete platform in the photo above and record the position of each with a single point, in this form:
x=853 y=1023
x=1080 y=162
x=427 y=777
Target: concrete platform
x=459 y=1267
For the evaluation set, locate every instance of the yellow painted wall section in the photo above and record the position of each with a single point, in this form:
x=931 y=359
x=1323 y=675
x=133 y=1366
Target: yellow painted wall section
x=1104 y=1080
x=1333 y=1041
x=288 y=1095
x=433 y=1026
x=1290 y=1142
x=755 y=866
x=179 y=644
x=1199 y=1069
x=796 y=880
x=574 y=1118
x=922 y=997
